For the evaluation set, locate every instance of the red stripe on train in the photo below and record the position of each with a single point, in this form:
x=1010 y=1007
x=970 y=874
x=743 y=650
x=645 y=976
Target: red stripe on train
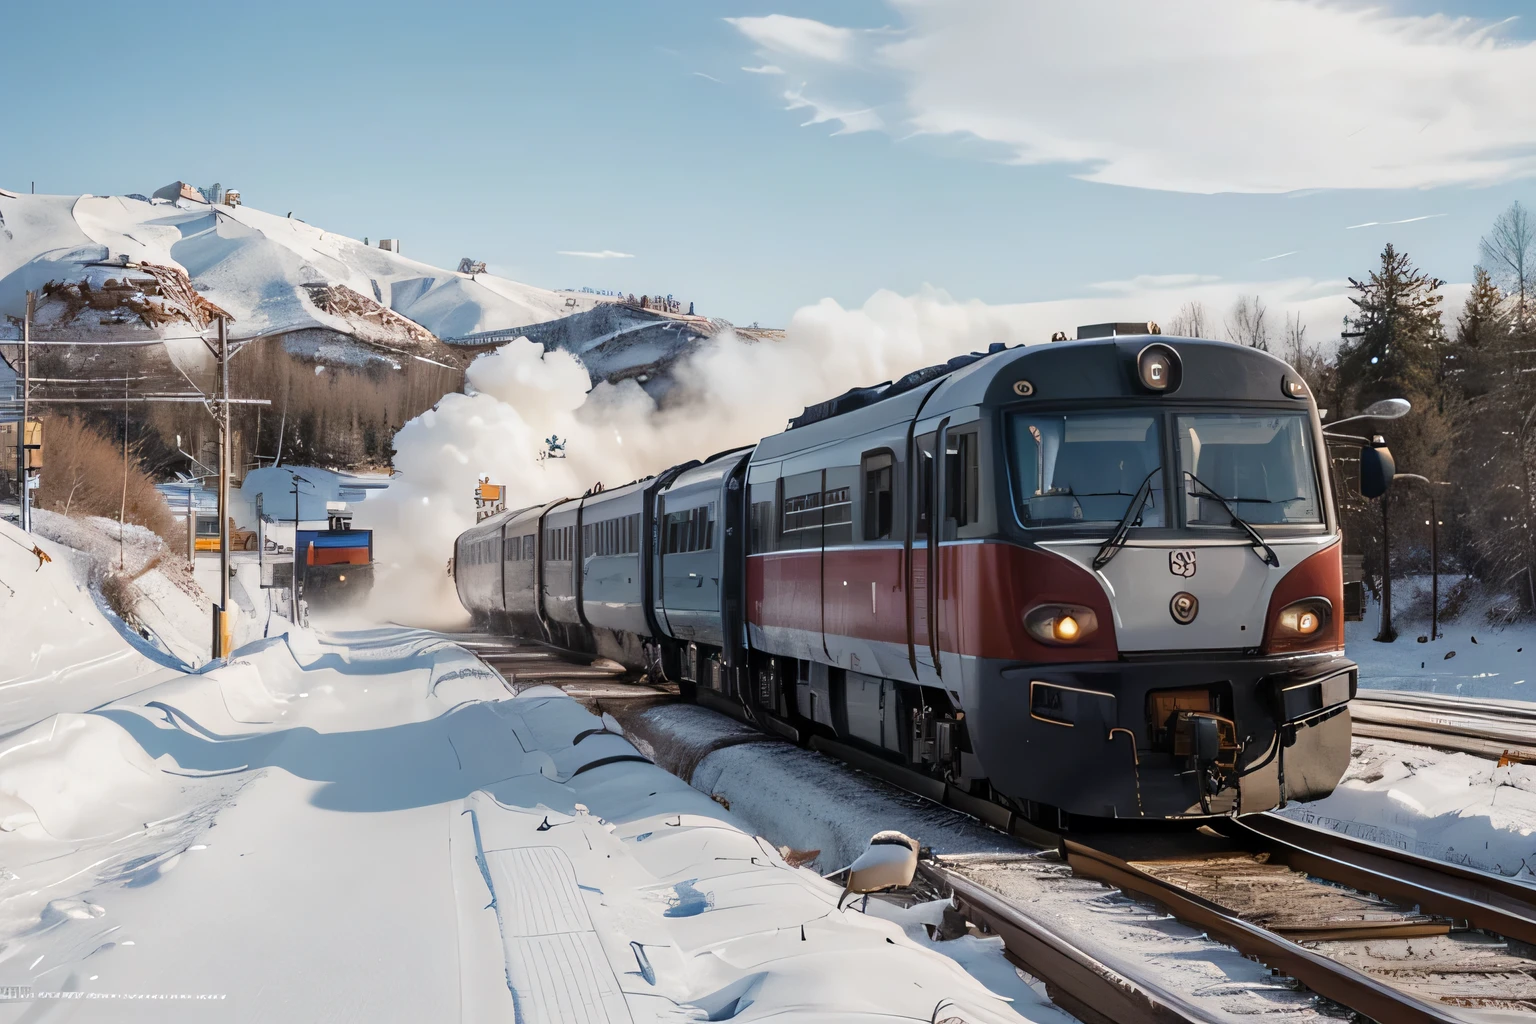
x=984 y=592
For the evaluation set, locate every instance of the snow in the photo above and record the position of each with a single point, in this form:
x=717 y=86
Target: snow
x=59 y=649
x=1446 y=806
x=254 y=265
x=806 y=801
x=370 y=826
x=1473 y=657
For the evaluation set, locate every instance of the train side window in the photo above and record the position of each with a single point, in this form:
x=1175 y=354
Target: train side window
x=961 y=479
x=922 y=478
x=802 y=514
x=764 y=517
x=879 y=472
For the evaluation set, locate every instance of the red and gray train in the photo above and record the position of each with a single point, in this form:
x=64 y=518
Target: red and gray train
x=1092 y=579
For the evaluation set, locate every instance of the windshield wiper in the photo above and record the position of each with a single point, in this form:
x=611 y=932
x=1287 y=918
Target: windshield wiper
x=1264 y=551
x=1111 y=547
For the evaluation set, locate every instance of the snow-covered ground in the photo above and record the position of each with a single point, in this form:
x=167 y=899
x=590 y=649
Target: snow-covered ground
x=1473 y=657
x=808 y=802
x=371 y=826
x=1448 y=806
x=254 y=265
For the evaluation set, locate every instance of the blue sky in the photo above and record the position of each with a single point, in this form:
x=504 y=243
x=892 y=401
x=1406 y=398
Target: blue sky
x=515 y=132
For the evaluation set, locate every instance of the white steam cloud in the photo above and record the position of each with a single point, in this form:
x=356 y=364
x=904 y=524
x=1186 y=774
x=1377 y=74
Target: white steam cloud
x=730 y=392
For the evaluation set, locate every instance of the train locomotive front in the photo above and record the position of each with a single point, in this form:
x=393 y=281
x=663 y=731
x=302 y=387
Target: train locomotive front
x=1095 y=579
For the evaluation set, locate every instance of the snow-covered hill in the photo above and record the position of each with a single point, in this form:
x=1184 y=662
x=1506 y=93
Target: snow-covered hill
x=262 y=269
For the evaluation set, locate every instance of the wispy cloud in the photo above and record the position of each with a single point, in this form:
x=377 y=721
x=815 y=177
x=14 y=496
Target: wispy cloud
x=766 y=69
x=852 y=121
x=712 y=78
x=605 y=254
x=1143 y=282
x=993 y=70
x=1389 y=223
x=1279 y=256
x=802 y=37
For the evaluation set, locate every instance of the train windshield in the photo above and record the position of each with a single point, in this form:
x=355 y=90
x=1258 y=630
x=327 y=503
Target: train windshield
x=1082 y=468
x=1260 y=462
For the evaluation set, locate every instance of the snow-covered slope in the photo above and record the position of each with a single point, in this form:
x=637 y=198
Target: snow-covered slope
x=258 y=267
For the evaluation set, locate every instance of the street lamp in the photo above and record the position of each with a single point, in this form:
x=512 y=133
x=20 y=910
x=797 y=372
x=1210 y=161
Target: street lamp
x=1434 y=551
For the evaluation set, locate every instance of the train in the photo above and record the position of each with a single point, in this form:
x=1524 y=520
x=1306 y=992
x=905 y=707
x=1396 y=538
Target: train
x=1089 y=580
x=334 y=565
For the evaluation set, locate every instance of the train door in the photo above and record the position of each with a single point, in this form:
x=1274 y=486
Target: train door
x=690 y=570
x=958 y=566
x=922 y=472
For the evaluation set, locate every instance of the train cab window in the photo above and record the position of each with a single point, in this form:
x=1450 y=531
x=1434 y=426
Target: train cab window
x=1261 y=462
x=879 y=471
x=1082 y=468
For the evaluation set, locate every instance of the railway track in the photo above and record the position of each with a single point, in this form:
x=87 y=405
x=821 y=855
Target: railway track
x=1383 y=933
x=1488 y=728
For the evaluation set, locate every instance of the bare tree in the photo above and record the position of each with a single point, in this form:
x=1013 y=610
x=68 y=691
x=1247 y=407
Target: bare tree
x=1509 y=253
x=1191 y=322
x=1248 y=323
x=1295 y=338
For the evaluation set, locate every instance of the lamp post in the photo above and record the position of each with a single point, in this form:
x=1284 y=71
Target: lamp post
x=1434 y=551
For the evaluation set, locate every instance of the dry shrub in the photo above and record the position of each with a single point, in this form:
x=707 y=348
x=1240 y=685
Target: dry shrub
x=82 y=474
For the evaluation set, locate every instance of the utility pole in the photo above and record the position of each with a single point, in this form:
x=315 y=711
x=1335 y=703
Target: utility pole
x=223 y=632
x=293 y=578
x=23 y=460
x=293 y=583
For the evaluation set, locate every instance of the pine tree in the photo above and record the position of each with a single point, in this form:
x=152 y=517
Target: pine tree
x=1394 y=341
x=1395 y=347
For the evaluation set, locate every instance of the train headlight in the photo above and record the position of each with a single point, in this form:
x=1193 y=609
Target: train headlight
x=1061 y=624
x=1302 y=619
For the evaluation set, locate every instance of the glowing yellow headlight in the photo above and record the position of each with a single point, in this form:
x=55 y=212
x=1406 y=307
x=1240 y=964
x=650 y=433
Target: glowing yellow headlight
x=1061 y=623
x=1302 y=618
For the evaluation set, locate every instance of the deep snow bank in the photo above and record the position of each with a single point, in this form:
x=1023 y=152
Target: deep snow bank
x=374 y=827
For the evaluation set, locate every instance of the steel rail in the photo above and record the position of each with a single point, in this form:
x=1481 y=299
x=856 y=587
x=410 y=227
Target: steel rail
x=1076 y=981
x=1485 y=901
x=1328 y=978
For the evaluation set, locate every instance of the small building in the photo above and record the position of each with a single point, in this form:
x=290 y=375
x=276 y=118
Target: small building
x=180 y=190
x=390 y=244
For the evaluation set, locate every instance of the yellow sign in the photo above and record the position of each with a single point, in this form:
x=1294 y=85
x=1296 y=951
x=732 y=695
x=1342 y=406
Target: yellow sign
x=8 y=445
